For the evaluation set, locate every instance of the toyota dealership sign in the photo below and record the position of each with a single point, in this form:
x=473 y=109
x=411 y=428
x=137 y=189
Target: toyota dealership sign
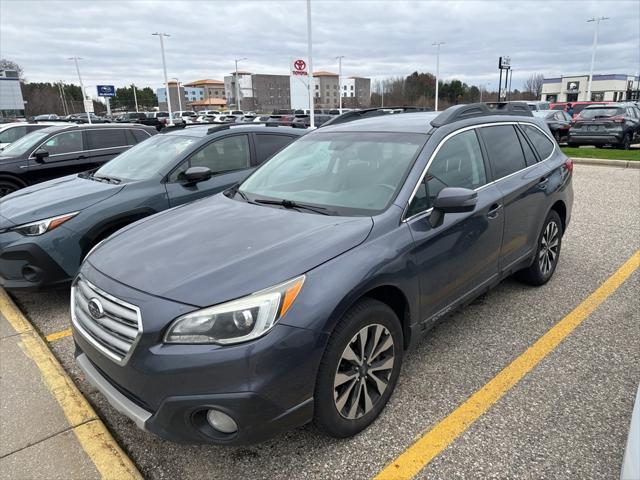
x=299 y=67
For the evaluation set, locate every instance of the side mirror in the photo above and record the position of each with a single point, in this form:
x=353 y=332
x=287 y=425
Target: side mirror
x=194 y=175
x=452 y=200
x=40 y=154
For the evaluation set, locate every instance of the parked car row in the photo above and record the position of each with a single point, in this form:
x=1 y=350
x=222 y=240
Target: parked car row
x=63 y=149
x=293 y=295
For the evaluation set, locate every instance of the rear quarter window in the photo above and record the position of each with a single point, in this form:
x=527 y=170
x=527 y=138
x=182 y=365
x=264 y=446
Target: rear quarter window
x=267 y=145
x=139 y=135
x=540 y=141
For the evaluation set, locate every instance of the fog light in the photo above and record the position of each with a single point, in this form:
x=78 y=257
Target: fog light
x=32 y=274
x=221 y=421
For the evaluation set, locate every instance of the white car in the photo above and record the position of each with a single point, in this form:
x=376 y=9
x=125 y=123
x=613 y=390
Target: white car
x=10 y=132
x=189 y=116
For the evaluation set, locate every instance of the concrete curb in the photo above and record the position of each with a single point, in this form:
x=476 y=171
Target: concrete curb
x=110 y=460
x=607 y=162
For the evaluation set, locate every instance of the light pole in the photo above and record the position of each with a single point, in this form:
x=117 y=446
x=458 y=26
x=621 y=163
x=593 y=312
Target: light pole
x=312 y=117
x=340 y=57
x=238 y=82
x=593 y=53
x=84 y=97
x=437 y=45
x=179 y=94
x=135 y=96
x=166 y=81
x=382 y=88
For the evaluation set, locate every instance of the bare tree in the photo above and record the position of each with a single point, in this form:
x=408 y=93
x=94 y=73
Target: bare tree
x=11 y=65
x=533 y=84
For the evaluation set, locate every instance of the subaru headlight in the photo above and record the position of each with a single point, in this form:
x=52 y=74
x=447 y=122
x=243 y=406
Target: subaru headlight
x=236 y=321
x=42 y=226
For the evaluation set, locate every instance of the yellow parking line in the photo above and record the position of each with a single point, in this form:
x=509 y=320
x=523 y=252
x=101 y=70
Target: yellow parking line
x=433 y=442
x=52 y=337
x=109 y=459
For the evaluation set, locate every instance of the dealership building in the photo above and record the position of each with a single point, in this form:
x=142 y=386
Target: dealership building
x=611 y=87
x=11 y=101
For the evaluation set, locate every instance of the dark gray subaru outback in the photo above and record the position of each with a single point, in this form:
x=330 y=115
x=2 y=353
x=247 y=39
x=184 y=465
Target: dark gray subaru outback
x=294 y=297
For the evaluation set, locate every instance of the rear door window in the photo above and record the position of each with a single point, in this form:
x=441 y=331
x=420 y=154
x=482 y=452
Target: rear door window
x=504 y=150
x=107 y=138
x=267 y=145
x=540 y=141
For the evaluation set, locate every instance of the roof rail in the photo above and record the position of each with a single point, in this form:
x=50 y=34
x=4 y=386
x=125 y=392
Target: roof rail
x=485 y=109
x=370 y=112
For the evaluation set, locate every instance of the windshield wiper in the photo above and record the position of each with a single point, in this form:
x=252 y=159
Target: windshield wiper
x=236 y=189
x=104 y=178
x=295 y=205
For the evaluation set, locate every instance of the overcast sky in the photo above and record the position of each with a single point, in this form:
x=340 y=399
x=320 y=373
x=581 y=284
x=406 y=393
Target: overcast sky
x=377 y=38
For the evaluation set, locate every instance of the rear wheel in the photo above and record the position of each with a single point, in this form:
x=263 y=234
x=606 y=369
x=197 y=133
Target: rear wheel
x=626 y=142
x=572 y=145
x=359 y=369
x=547 y=253
x=556 y=135
x=7 y=187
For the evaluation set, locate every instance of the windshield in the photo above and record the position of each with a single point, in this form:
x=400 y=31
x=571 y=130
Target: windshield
x=351 y=173
x=589 y=113
x=147 y=159
x=24 y=144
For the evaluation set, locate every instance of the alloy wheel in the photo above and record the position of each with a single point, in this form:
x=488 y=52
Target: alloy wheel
x=364 y=371
x=549 y=244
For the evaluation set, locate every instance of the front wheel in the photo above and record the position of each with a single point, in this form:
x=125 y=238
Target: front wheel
x=7 y=187
x=359 y=369
x=547 y=254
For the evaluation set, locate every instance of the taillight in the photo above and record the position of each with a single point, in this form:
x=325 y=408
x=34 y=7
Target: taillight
x=569 y=165
x=617 y=119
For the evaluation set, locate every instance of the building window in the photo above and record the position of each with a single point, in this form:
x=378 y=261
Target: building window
x=317 y=87
x=351 y=87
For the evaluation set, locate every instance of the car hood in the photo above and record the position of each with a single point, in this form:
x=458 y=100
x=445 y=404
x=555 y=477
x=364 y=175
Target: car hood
x=55 y=197
x=218 y=249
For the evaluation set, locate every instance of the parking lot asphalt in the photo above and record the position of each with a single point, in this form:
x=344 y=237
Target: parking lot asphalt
x=567 y=418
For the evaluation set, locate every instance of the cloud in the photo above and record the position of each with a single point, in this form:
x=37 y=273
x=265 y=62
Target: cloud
x=377 y=38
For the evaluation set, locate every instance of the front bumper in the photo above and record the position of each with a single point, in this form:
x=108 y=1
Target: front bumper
x=265 y=385
x=27 y=265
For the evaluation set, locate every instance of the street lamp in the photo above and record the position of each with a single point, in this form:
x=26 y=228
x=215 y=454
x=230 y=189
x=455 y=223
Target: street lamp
x=312 y=117
x=340 y=57
x=437 y=45
x=593 y=53
x=179 y=94
x=135 y=96
x=84 y=97
x=166 y=81
x=238 y=82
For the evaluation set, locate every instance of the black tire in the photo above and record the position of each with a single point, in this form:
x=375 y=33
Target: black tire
x=378 y=317
x=541 y=271
x=573 y=145
x=7 y=187
x=556 y=135
x=626 y=142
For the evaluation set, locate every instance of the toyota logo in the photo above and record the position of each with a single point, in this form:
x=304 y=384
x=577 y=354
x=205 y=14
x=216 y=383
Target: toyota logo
x=95 y=308
x=300 y=65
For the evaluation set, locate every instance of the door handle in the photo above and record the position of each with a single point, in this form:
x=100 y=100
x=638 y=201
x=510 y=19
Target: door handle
x=542 y=183
x=82 y=157
x=494 y=211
